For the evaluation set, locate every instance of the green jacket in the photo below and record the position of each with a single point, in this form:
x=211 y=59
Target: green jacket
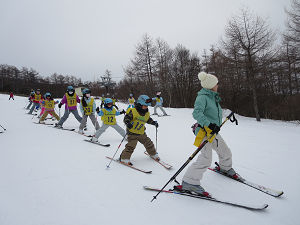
x=207 y=108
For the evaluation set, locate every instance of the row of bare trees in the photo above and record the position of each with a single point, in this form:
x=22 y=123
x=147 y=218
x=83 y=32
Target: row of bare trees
x=259 y=72
x=22 y=81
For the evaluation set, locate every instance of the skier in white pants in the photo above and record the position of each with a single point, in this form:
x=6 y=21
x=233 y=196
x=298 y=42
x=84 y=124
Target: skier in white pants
x=208 y=113
x=108 y=115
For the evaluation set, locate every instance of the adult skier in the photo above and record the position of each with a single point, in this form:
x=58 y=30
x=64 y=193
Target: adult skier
x=49 y=105
x=70 y=100
x=108 y=116
x=88 y=109
x=158 y=103
x=208 y=113
x=135 y=120
x=36 y=100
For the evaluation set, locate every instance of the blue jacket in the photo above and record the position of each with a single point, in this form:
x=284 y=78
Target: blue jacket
x=101 y=113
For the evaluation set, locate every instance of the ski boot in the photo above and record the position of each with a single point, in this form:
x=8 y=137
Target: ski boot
x=58 y=126
x=94 y=139
x=155 y=157
x=126 y=161
x=229 y=173
x=192 y=189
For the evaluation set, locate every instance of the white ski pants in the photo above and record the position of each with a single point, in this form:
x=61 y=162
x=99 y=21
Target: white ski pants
x=195 y=171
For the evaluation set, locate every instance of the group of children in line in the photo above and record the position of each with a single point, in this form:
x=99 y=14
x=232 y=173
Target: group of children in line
x=136 y=116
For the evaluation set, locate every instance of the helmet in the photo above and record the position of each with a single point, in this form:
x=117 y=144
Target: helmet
x=70 y=88
x=144 y=100
x=47 y=95
x=86 y=91
x=107 y=101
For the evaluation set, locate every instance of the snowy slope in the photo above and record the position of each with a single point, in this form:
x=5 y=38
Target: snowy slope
x=52 y=177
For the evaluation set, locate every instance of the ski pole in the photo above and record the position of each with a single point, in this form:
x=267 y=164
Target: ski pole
x=193 y=155
x=156 y=137
x=3 y=128
x=116 y=151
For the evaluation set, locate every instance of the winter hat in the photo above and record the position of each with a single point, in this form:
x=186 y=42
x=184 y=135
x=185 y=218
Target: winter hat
x=208 y=81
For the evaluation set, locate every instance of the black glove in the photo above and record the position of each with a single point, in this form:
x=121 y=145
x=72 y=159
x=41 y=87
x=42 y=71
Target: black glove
x=97 y=110
x=214 y=128
x=122 y=112
x=59 y=105
x=129 y=126
x=155 y=123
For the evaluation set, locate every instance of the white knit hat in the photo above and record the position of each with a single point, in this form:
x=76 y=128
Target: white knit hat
x=208 y=81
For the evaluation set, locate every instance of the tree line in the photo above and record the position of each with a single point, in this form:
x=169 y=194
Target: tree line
x=258 y=70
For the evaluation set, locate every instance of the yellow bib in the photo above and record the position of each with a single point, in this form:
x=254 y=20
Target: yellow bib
x=131 y=101
x=201 y=135
x=71 y=99
x=138 y=121
x=37 y=97
x=109 y=117
x=49 y=104
x=157 y=99
x=88 y=110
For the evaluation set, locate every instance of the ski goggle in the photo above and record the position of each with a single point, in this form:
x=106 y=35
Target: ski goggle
x=149 y=100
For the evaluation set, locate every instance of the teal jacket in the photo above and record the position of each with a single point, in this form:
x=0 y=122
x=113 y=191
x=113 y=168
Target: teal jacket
x=207 y=108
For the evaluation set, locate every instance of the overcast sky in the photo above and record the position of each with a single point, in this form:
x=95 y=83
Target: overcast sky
x=85 y=37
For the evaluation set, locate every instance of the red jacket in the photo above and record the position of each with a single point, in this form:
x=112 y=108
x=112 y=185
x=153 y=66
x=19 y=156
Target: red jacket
x=11 y=94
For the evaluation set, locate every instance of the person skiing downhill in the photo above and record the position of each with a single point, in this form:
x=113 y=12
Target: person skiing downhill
x=208 y=113
x=11 y=95
x=49 y=105
x=158 y=103
x=108 y=116
x=135 y=120
x=70 y=100
x=36 y=100
x=88 y=109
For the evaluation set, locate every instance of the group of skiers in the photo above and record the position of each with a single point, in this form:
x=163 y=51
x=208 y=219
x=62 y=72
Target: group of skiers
x=207 y=112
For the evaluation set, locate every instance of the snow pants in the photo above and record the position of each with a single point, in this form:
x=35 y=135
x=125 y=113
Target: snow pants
x=103 y=128
x=133 y=139
x=161 y=108
x=93 y=119
x=35 y=104
x=30 y=103
x=11 y=97
x=66 y=115
x=195 y=172
x=53 y=113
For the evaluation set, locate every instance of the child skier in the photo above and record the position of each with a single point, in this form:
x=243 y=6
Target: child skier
x=30 y=98
x=49 y=104
x=135 y=120
x=36 y=101
x=131 y=101
x=87 y=108
x=108 y=116
x=208 y=114
x=70 y=100
x=159 y=101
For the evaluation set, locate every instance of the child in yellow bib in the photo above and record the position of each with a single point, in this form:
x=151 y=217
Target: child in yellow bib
x=88 y=109
x=49 y=104
x=108 y=116
x=135 y=120
x=131 y=101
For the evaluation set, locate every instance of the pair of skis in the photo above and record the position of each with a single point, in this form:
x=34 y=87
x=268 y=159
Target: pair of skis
x=269 y=191
x=162 y=163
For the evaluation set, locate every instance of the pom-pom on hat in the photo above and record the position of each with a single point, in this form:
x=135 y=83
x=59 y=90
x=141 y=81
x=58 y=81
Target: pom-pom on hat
x=208 y=81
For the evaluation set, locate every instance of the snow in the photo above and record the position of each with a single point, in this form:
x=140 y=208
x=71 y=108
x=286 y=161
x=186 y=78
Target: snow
x=53 y=177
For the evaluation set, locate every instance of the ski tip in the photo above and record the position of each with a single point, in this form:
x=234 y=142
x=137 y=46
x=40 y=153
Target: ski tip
x=279 y=194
